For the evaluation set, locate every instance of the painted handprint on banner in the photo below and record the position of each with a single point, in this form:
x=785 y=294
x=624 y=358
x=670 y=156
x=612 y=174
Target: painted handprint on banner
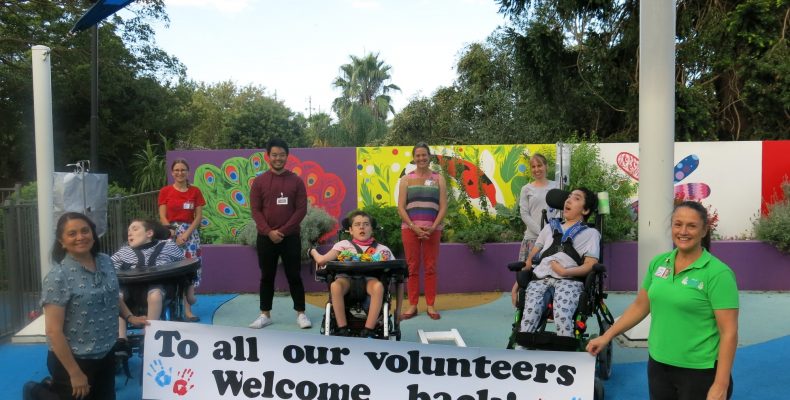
x=182 y=384
x=629 y=163
x=158 y=373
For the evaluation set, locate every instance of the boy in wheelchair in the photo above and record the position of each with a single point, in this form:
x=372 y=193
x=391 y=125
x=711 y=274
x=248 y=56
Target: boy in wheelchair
x=147 y=246
x=360 y=225
x=570 y=249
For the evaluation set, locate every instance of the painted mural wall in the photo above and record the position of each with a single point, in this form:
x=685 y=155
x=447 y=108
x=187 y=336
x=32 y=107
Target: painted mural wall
x=732 y=178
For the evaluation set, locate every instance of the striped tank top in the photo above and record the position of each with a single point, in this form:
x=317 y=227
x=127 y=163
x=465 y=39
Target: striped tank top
x=422 y=201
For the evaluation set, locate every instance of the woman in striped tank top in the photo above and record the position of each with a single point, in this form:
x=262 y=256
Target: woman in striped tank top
x=422 y=204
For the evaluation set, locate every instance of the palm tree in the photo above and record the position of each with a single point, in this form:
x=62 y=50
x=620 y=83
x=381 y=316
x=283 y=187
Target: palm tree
x=362 y=84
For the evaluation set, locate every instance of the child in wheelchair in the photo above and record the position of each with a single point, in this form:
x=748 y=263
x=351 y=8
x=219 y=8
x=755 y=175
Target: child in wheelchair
x=563 y=255
x=147 y=246
x=364 y=247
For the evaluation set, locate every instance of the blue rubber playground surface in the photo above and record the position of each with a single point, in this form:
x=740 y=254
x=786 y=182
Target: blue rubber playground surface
x=764 y=342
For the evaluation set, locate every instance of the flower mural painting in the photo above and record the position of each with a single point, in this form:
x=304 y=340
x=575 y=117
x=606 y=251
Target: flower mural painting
x=226 y=190
x=697 y=191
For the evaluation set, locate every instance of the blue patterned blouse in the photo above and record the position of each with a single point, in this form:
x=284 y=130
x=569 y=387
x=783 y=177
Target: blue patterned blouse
x=91 y=303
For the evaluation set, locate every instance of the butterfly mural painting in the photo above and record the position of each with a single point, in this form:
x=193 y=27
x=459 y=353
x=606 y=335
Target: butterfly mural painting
x=697 y=191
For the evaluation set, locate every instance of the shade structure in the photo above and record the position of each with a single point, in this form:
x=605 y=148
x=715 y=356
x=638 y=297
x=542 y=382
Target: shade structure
x=99 y=11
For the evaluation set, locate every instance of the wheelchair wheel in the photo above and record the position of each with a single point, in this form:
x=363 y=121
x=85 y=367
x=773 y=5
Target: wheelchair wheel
x=598 y=390
x=603 y=363
x=327 y=322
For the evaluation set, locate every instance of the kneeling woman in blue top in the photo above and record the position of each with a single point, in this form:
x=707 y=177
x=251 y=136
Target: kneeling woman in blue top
x=81 y=310
x=692 y=298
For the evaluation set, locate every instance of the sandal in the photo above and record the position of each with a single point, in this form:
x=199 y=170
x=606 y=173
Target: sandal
x=193 y=318
x=434 y=315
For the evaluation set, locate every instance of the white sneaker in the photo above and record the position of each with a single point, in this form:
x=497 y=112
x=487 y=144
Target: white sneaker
x=260 y=322
x=303 y=321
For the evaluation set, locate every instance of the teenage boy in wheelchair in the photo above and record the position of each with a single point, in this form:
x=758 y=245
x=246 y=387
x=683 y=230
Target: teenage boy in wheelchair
x=361 y=247
x=151 y=270
x=563 y=266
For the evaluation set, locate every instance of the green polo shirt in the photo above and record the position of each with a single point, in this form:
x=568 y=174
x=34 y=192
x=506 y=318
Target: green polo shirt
x=683 y=330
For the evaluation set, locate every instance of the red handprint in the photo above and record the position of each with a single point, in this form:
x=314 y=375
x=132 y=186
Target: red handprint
x=182 y=385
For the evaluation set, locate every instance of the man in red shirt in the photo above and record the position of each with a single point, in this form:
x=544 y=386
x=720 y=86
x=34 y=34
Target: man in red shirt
x=278 y=199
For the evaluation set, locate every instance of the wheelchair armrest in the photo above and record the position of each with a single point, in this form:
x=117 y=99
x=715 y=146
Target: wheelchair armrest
x=516 y=266
x=523 y=278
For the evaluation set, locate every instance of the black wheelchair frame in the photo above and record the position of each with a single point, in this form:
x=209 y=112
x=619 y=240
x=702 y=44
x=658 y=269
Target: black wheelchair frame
x=392 y=275
x=175 y=277
x=591 y=302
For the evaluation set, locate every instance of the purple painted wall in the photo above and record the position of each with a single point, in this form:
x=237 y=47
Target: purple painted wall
x=757 y=266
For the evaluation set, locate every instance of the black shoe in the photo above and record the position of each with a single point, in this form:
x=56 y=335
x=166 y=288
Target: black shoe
x=122 y=349
x=344 y=331
x=368 y=333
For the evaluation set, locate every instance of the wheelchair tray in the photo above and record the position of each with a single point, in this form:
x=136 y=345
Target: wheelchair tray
x=159 y=272
x=364 y=267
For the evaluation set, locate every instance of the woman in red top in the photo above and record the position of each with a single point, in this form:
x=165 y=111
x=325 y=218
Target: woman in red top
x=181 y=206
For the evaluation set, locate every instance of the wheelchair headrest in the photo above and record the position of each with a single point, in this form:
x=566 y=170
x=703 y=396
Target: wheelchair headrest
x=555 y=198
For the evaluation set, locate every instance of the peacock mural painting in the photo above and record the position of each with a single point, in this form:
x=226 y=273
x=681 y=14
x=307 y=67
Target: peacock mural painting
x=226 y=189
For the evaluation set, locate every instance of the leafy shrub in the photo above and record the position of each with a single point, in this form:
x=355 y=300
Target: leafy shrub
x=388 y=222
x=775 y=227
x=590 y=171
x=315 y=225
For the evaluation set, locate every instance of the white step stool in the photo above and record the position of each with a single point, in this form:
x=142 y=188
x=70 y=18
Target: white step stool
x=445 y=336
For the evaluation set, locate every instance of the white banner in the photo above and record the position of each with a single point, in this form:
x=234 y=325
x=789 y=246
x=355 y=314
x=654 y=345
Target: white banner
x=195 y=361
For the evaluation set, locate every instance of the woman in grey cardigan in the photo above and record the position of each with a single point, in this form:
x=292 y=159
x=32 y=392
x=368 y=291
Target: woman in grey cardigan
x=532 y=202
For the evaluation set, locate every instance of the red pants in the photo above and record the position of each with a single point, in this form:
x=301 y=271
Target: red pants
x=423 y=252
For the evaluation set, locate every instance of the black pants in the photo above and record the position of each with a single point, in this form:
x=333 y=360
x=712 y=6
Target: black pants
x=100 y=373
x=668 y=382
x=290 y=249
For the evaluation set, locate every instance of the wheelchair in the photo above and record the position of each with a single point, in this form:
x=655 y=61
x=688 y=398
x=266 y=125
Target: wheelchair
x=175 y=277
x=591 y=302
x=392 y=275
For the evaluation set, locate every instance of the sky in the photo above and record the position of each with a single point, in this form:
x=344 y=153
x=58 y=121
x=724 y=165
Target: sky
x=295 y=48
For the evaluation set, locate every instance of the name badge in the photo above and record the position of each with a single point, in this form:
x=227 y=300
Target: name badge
x=189 y=205
x=282 y=201
x=429 y=182
x=662 y=272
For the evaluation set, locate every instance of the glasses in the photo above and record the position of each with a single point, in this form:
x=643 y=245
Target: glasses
x=361 y=224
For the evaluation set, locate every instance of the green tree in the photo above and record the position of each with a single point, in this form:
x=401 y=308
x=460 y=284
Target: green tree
x=732 y=59
x=137 y=102
x=364 y=102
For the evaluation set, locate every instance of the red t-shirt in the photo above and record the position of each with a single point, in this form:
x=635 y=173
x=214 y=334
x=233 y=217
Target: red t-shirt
x=181 y=205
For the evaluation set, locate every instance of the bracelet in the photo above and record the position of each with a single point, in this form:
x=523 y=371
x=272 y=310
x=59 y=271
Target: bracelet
x=128 y=317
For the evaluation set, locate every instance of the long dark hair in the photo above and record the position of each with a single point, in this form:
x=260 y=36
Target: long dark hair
x=58 y=252
x=590 y=202
x=703 y=214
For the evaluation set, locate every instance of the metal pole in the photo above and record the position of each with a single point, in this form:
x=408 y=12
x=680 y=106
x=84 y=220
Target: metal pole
x=95 y=97
x=656 y=140
x=656 y=128
x=45 y=160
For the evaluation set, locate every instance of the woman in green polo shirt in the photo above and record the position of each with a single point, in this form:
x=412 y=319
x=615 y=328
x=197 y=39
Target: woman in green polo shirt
x=693 y=301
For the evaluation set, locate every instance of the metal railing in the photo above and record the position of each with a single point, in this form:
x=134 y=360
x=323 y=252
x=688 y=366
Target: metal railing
x=20 y=272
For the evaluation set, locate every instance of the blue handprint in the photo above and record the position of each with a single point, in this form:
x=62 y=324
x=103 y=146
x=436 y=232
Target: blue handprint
x=161 y=377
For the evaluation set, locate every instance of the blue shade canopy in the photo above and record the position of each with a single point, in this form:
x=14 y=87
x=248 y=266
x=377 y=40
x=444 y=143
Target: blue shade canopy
x=99 y=11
